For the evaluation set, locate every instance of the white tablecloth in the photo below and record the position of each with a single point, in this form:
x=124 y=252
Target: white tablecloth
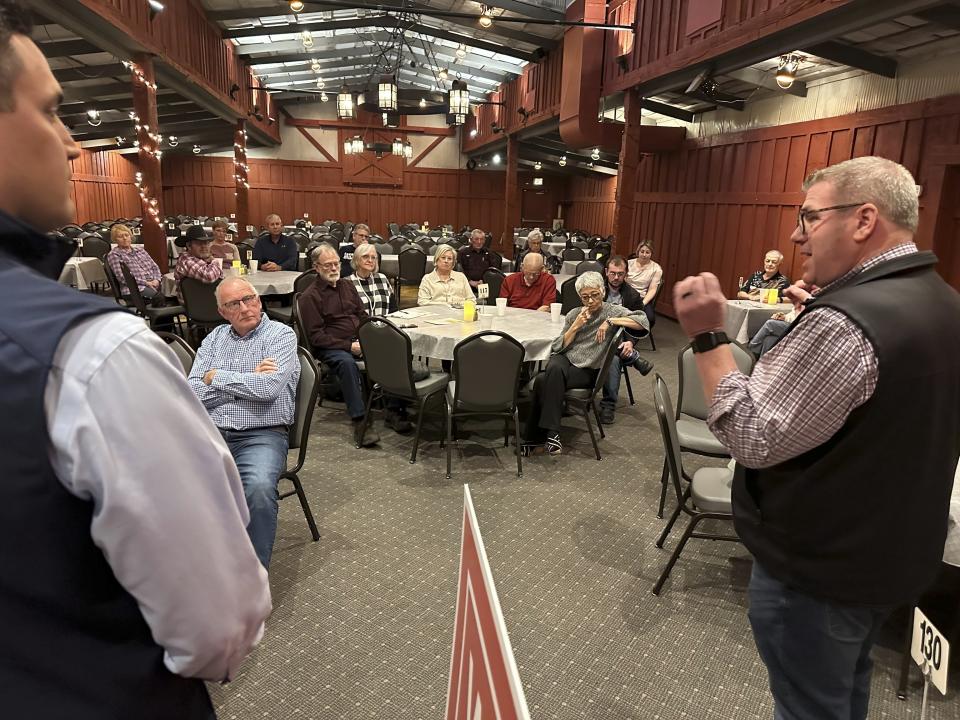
x=82 y=272
x=265 y=283
x=390 y=265
x=534 y=330
x=951 y=551
x=554 y=248
x=745 y=317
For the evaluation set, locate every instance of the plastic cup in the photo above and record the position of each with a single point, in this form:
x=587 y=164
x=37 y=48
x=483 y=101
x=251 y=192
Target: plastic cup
x=501 y=306
x=253 y=265
x=555 y=311
x=486 y=320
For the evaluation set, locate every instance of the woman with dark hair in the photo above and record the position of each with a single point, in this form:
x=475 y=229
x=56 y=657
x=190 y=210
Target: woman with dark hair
x=645 y=276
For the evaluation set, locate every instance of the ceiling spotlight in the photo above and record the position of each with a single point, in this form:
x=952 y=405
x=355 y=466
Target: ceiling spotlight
x=155 y=7
x=324 y=97
x=442 y=73
x=595 y=155
x=486 y=19
x=787 y=70
x=423 y=102
x=307 y=39
x=93 y=117
x=120 y=139
x=295 y=5
x=537 y=165
x=473 y=132
x=320 y=83
x=461 y=52
x=562 y=161
x=196 y=149
x=495 y=159
x=173 y=141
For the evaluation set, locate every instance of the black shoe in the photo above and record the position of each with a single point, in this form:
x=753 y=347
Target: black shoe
x=370 y=436
x=607 y=415
x=397 y=422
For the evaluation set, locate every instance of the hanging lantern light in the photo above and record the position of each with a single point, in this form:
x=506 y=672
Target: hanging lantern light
x=345 y=106
x=387 y=93
x=348 y=146
x=391 y=119
x=407 y=150
x=787 y=70
x=357 y=145
x=397 y=147
x=459 y=99
x=562 y=161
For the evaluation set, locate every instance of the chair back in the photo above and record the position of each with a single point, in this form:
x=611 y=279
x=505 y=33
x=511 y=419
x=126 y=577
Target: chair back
x=308 y=387
x=668 y=432
x=588 y=266
x=569 y=299
x=113 y=283
x=573 y=253
x=200 y=301
x=412 y=265
x=384 y=249
x=692 y=401
x=297 y=321
x=133 y=290
x=181 y=348
x=304 y=280
x=95 y=246
x=494 y=278
x=396 y=244
x=426 y=244
x=612 y=343
x=486 y=368
x=302 y=240
x=388 y=356
x=393 y=228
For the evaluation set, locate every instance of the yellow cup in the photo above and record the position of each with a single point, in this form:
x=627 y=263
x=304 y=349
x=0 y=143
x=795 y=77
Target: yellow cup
x=773 y=296
x=469 y=310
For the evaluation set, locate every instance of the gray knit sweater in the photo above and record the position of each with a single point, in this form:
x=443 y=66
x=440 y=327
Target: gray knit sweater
x=585 y=351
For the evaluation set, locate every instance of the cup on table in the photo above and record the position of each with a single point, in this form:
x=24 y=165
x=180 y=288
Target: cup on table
x=555 y=309
x=486 y=319
x=501 y=306
x=254 y=264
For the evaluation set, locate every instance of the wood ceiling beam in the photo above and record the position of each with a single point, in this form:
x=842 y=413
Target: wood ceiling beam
x=67 y=48
x=854 y=57
x=667 y=110
x=947 y=16
x=91 y=72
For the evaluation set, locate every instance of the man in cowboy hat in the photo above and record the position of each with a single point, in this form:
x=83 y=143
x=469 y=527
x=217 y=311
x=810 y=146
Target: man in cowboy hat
x=197 y=262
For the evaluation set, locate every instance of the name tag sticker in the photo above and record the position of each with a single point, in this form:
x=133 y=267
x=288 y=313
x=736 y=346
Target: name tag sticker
x=930 y=650
x=483 y=291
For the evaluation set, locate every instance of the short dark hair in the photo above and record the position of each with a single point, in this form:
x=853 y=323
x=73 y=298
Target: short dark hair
x=616 y=260
x=14 y=19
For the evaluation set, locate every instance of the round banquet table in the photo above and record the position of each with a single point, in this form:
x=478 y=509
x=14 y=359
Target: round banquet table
x=390 y=265
x=532 y=329
x=82 y=272
x=745 y=317
x=265 y=283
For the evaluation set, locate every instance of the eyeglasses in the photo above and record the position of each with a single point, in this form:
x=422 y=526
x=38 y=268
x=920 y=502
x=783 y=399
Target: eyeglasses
x=245 y=300
x=587 y=297
x=805 y=216
x=328 y=266
x=616 y=273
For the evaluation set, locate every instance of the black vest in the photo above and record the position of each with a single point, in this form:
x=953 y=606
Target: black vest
x=74 y=643
x=862 y=519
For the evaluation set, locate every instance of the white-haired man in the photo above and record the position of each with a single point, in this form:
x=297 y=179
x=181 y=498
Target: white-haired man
x=846 y=435
x=534 y=245
x=474 y=259
x=246 y=374
x=276 y=251
x=767 y=279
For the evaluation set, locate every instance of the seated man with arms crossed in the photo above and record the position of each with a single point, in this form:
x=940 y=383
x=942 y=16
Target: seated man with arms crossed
x=532 y=289
x=331 y=312
x=246 y=375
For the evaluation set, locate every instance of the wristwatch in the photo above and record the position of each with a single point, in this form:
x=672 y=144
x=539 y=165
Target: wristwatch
x=707 y=341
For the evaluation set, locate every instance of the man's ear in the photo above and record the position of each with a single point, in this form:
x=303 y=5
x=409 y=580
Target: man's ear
x=866 y=218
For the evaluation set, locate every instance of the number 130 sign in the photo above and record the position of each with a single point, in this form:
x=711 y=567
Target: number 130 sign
x=930 y=650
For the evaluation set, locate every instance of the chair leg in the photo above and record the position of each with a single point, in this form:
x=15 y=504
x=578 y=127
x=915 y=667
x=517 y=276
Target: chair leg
x=305 y=505
x=506 y=431
x=653 y=344
x=905 y=661
x=669 y=526
x=516 y=434
x=663 y=488
x=449 y=414
x=596 y=415
x=676 y=554
x=416 y=438
x=626 y=377
x=363 y=423
x=593 y=435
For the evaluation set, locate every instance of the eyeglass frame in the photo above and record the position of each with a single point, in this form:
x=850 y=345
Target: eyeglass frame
x=232 y=305
x=598 y=295
x=327 y=265
x=802 y=214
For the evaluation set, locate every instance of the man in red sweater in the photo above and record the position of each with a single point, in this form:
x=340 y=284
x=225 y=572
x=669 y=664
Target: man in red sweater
x=531 y=288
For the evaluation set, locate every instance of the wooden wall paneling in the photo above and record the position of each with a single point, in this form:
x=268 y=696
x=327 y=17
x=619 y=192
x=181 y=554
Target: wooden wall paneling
x=102 y=187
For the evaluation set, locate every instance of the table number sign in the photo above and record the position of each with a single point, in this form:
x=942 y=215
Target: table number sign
x=931 y=651
x=483 y=291
x=136 y=231
x=251 y=228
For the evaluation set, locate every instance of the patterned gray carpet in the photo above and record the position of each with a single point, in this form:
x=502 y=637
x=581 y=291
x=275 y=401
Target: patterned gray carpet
x=363 y=619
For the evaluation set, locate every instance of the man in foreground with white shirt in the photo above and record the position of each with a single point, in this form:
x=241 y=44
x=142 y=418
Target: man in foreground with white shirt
x=127 y=576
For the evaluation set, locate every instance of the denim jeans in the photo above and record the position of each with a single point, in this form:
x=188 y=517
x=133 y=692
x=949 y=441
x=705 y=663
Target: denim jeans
x=768 y=336
x=611 y=388
x=343 y=364
x=261 y=455
x=817 y=653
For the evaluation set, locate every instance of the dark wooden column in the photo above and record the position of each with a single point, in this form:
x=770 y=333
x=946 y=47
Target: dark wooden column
x=512 y=196
x=149 y=180
x=627 y=175
x=241 y=174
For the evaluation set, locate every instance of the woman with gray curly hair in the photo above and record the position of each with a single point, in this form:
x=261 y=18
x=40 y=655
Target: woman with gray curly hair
x=577 y=356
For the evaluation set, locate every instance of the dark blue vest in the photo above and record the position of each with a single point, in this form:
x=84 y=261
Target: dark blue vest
x=74 y=643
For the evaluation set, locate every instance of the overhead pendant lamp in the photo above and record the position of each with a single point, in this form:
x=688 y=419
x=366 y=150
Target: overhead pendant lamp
x=537 y=165
x=346 y=109
x=562 y=161
x=295 y=5
x=486 y=19
x=787 y=70
x=459 y=99
x=595 y=155
x=324 y=97
x=397 y=147
x=348 y=146
x=461 y=52
x=442 y=73
x=357 y=145
x=387 y=93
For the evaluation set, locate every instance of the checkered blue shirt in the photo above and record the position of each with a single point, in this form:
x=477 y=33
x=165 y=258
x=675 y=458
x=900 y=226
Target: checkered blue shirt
x=374 y=292
x=238 y=398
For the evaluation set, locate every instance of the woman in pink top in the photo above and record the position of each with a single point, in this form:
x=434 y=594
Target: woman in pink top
x=645 y=276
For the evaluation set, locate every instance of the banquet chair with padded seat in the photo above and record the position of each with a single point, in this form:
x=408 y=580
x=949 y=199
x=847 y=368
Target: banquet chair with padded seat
x=95 y=246
x=285 y=314
x=569 y=297
x=589 y=266
x=486 y=382
x=181 y=348
x=494 y=279
x=388 y=357
x=573 y=253
x=154 y=315
x=114 y=284
x=411 y=267
x=200 y=303
x=585 y=399
x=708 y=495
x=693 y=434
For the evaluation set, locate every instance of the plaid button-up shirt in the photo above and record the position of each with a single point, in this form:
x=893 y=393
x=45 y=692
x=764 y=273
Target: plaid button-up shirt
x=375 y=293
x=142 y=266
x=194 y=267
x=239 y=398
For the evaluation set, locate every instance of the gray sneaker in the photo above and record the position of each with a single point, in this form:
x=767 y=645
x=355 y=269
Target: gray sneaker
x=607 y=415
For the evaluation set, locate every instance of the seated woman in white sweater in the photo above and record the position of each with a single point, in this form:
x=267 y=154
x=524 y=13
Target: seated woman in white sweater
x=444 y=285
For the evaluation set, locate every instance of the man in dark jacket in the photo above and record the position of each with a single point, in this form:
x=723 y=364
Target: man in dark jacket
x=111 y=610
x=276 y=251
x=474 y=259
x=846 y=435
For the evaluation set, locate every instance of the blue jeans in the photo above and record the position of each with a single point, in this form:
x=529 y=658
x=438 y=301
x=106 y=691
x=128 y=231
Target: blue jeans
x=611 y=388
x=344 y=365
x=261 y=455
x=767 y=336
x=817 y=653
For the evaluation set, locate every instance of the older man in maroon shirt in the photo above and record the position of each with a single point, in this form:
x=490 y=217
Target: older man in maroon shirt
x=532 y=288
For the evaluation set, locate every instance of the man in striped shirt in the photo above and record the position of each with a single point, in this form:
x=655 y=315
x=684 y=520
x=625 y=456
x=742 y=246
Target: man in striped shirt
x=246 y=374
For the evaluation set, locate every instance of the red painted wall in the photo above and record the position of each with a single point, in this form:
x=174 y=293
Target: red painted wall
x=591 y=204
x=720 y=203
x=102 y=187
